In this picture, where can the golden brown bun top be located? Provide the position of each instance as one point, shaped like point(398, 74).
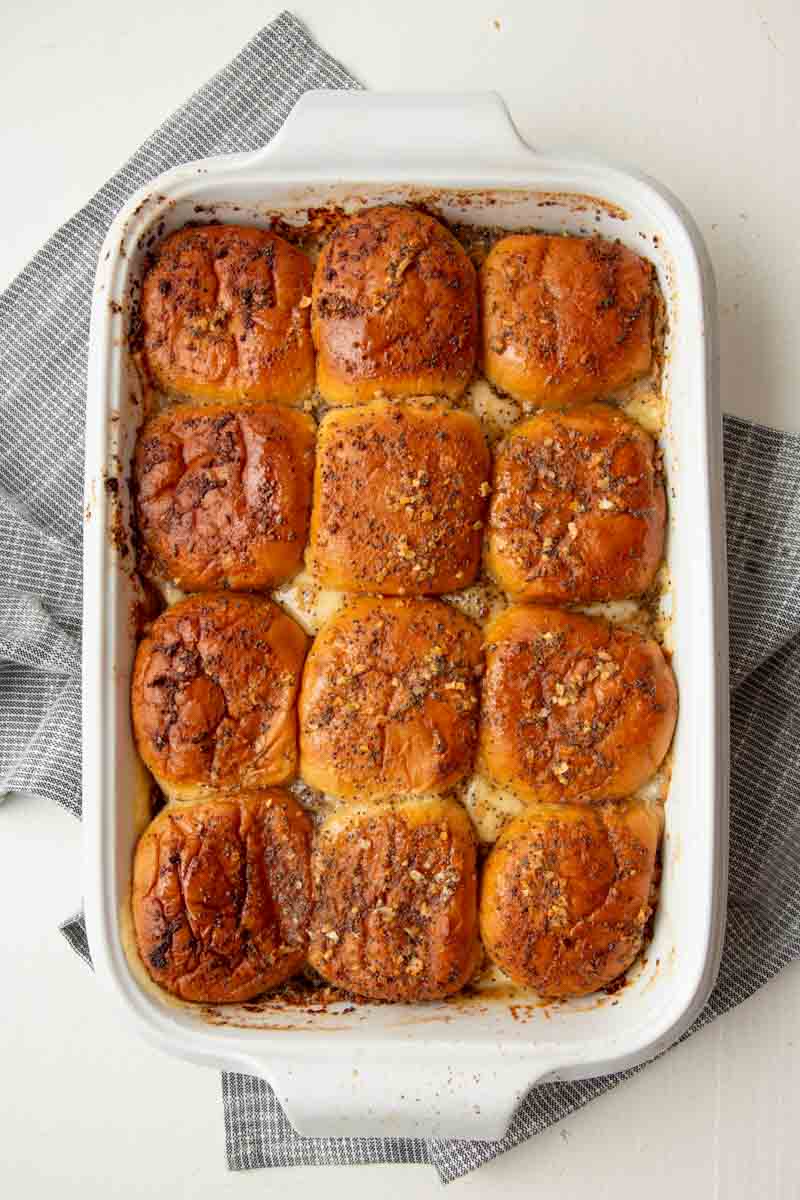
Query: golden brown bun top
point(223, 494)
point(394, 308)
point(225, 316)
point(578, 508)
point(213, 694)
point(573, 707)
point(389, 699)
point(222, 896)
point(399, 498)
point(567, 892)
point(395, 900)
point(565, 319)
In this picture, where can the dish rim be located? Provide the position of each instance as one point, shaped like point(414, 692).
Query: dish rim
point(481, 151)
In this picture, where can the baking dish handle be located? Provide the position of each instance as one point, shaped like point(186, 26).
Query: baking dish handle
point(359, 1096)
point(340, 132)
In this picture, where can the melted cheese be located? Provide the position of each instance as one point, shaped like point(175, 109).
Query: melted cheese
point(489, 806)
point(496, 413)
point(480, 601)
point(309, 604)
point(643, 403)
point(171, 593)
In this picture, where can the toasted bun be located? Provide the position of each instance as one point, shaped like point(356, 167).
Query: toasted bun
point(578, 508)
point(395, 914)
point(213, 695)
point(223, 494)
point(388, 704)
point(573, 708)
point(565, 319)
point(394, 309)
point(399, 498)
point(225, 316)
point(567, 892)
point(222, 896)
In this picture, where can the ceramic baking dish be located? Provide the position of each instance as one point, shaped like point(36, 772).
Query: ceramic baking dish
point(456, 1068)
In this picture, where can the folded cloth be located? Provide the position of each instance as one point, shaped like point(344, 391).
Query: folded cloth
point(44, 319)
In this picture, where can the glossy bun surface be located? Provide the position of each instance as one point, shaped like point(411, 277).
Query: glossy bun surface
point(222, 896)
point(389, 702)
point(578, 508)
point(399, 499)
point(223, 494)
point(394, 309)
point(213, 695)
point(565, 319)
point(567, 892)
point(225, 316)
point(395, 912)
point(573, 708)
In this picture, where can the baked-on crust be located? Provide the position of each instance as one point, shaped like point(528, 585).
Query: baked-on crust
point(395, 915)
point(565, 319)
point(388, 704)
point(221, 896)
point(213, 695)
point(567, 892)
point(394, 309)
point(399, 498)
point(573, 708)
point(225, 316)
point(223, 494)
point(578, 508)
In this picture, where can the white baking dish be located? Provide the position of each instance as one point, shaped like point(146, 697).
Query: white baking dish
point(455, 1069)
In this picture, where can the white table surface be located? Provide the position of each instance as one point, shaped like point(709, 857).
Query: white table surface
point(705, 96)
